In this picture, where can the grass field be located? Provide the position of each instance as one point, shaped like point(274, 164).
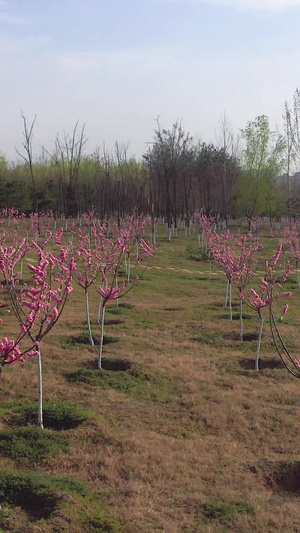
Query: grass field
point(177, 433)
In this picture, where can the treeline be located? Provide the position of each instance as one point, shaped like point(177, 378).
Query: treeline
point(175, 176)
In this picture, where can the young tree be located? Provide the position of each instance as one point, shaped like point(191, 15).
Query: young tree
point(269, 290)
point(39, 303)
point(262, 160)
point(229, 152)
point(28, 157)
point(111, 255)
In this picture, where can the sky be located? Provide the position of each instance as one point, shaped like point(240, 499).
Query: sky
point(115, 66)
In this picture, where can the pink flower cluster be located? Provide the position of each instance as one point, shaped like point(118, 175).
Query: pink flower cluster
point(270, 287)
point(10, 352)
point(235, 256)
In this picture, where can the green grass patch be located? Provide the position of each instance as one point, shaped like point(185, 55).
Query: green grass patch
point(84, 339)
point(99, 523)
point(223, 511)
point(126, 305)
point(157, 388)
point(196, 254)
point(116, 310)
point(32, 444)
point(119, 309)
point(56, 415)
point(212, 338)
point(148, 324)
point(36, 494)
point(235, 316)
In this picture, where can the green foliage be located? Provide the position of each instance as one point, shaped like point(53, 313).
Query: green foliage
point(262, 162)
point(57, 415)
point(33, 444)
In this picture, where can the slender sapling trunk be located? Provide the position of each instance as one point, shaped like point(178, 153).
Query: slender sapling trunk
point(241, 320)
point(88, 317)
point(259, 341)
point(227, 293)
point(40, 390)
point(101, 338)
point(230, 301)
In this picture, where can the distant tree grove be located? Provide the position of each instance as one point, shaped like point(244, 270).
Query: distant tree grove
point(175, 176)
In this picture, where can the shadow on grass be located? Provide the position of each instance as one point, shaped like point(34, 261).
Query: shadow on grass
point(36, 494)
point(113, 322)
point(57, 415)
point(280, 476)
point(235, 316)
point(173, 308)
point(235, 336)
point(114, 365)
point(84, 339)
point(248, 363)
point(269, 367)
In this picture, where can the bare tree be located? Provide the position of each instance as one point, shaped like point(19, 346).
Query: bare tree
point(166, 161)
point(291, 120)
point(67, 156)
point(28, 157)
point(229, 149)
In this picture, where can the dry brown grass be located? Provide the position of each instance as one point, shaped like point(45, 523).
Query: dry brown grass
point(220, 431)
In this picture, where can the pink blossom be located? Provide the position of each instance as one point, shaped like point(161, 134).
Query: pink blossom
point(277, 255)
point(285, 310)
point(297, 363)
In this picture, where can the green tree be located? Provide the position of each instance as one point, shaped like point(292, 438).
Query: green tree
point(262, 161)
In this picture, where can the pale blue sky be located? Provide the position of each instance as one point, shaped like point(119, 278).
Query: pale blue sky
point(116, 65)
